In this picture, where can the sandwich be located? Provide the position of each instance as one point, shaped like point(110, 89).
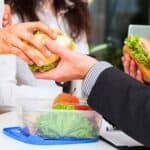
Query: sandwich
point(138, 49)
point(50, 62)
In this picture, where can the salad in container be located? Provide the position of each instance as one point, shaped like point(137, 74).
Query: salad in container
point(64, 118)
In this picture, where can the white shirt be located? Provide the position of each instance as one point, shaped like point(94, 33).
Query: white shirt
point(17, 82)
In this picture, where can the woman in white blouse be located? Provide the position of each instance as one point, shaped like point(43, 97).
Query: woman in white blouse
point(70, 16)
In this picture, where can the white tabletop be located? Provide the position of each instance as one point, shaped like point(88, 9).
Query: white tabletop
point(6, 143)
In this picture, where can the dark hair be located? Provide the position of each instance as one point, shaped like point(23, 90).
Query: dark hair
point(76, 15)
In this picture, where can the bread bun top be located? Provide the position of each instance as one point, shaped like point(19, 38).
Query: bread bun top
point(62, 39)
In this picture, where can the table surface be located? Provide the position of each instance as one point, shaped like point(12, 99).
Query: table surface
point(10, 119)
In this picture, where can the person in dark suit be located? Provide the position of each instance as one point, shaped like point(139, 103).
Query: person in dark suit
point(122, 100)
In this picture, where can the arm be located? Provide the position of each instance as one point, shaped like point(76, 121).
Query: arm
point(122, 101)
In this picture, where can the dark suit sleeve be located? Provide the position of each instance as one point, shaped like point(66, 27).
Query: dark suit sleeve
point(123, 101)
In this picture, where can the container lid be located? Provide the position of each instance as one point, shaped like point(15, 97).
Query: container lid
point(18, 133)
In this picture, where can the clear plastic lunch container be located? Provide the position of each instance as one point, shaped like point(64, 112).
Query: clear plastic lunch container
point(40, 119)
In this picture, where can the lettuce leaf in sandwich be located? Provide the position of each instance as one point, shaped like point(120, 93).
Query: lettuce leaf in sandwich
point(138, 50)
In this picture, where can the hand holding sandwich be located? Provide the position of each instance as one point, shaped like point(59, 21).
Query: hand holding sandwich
point(139, 50)
point(19, 40)
point(71, 65)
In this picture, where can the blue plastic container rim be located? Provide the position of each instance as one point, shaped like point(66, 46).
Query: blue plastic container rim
point(17, 133)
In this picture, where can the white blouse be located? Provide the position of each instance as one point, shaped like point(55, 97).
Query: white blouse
point(17, 82)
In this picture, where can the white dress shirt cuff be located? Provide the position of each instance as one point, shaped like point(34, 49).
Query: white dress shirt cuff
point(92, 76)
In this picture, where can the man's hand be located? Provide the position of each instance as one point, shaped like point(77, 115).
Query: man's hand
point(71, 66)
point(19, 40)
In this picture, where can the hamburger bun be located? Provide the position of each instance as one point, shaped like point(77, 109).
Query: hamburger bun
point(50, 62)
point(141, 66)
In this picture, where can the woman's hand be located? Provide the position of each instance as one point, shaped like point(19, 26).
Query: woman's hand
point(7, 19)
point(130, 68)
point(71, 65)
point(14, 39)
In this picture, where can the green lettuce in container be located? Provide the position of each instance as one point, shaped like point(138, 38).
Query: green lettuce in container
point(64, 124)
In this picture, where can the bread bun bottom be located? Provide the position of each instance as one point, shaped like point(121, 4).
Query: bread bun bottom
point(145, 72)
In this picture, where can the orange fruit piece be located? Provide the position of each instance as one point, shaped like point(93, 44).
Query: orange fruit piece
point(65, 98)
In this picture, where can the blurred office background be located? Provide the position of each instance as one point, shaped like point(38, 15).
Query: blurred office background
point(110, 20)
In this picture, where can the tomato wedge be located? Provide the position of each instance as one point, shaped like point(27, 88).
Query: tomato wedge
point(82, 107)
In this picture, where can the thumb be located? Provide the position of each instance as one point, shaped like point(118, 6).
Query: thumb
point(57, 48)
